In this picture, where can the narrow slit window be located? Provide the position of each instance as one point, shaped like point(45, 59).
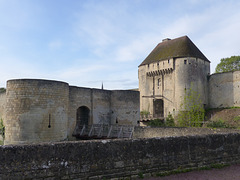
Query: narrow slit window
point(49, 119)
point(185, 61)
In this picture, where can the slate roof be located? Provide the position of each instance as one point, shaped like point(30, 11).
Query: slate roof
point(175, 48)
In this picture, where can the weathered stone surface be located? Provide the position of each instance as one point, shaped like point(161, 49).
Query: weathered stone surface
point(43, 110)
point(116, 158)
point(224, 89)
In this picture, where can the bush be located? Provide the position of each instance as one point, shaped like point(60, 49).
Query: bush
point(217, 124)
point(160, 122)
point(192, 113)
point(2, 128)
point(144, 113)
point(170, 121)
point(156, 123)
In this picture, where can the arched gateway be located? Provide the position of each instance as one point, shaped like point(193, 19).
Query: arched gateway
point(83, 116)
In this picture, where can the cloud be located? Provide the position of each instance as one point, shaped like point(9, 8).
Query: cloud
point(54, 45)
point(135, 49)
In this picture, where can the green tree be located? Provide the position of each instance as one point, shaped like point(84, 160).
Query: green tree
point(228, 64)
point(192, 112)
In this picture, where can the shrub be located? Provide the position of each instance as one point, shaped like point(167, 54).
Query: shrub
point(2, 128)
point(192, 113)
point(169, 121)
point(144, 113)
point(217, 124)
point(156, 123)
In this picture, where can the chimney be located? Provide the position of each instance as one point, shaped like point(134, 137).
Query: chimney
point(167, 39)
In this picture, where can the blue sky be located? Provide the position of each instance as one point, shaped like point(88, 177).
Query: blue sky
point(87, 42)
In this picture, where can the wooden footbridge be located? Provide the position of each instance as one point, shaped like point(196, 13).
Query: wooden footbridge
point(100, 131)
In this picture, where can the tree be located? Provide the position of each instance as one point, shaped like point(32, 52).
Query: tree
point(192, 112)
point(228, 64)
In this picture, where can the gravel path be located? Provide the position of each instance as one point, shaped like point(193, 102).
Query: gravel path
point(226, 173)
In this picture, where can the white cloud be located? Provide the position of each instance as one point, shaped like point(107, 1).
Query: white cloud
point(54, 45)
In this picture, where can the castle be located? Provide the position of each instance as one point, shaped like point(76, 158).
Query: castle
point(43, 110)
point(173, 67)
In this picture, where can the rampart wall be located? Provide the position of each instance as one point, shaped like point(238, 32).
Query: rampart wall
point(224, 89)
point(44, 110)
point(125, 107)
point(105, 159)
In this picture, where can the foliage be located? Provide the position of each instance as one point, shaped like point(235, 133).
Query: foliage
point(144, 113)
point(169, 121)
point(217, 124)
point(2, 90)
point(228, 64)
point(2, 128)
point(236, 118)
point(192, 113)
point(156, 123)
point(140, 175)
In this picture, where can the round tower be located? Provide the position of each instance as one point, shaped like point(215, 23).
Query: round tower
point(36, 111)
point(191, 72)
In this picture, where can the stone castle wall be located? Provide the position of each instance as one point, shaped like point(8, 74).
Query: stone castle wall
point(224, 89)
point(105, 159)
point(125, 107)
point(36, 111)
point(43, 110)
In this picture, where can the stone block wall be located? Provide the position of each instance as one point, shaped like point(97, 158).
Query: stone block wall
point(151, 132)
point(101, 159)
point(224, 89)
point(78, 97)
point(101, 108)
point(125, 107)
point(43, 110)
point(36, 111)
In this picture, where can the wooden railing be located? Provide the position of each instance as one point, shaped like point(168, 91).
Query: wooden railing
point(100, 131)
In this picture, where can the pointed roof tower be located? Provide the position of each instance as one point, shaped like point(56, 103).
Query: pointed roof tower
point(175, 48)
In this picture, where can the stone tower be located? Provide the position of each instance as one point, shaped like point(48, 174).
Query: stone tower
point(169, 70)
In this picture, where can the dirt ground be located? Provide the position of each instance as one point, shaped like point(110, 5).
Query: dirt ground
point(226, 173)
point(230, 116)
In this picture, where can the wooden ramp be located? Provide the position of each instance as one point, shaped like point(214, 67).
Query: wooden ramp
point(100, 131)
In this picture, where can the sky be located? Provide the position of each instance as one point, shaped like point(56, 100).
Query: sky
point(89, 42)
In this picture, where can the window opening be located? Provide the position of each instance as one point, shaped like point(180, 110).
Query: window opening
point(49, 121)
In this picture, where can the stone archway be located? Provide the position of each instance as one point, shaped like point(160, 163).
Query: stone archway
point(82, 116)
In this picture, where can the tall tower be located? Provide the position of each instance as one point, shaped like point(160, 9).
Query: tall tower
point(169, 70)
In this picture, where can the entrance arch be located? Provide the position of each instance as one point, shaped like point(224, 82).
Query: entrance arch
point(82, 116)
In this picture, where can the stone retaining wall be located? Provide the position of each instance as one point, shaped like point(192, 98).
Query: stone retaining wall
point(150, 132)
point(106, 159)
